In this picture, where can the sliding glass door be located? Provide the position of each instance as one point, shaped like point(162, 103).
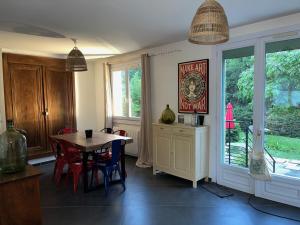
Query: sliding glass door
point(282, 107)
point(260, 109)
point(238, 74)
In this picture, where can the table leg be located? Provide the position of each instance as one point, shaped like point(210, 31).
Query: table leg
point(85, 156)
point(123, 170)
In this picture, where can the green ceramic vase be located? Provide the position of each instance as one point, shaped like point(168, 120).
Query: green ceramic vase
point(167, 116)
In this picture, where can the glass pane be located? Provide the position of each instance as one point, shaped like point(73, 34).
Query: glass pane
point(238, 72)
point(135, 76)
point(282, 107)
point(119, 93)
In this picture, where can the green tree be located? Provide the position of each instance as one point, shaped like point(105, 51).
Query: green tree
point(135, 76)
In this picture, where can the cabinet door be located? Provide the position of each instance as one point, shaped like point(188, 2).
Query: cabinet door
point(183, 154)
point(24, 102)
point(162, 147)
point(59, 99)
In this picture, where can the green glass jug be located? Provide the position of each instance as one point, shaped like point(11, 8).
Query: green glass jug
point(13, 150)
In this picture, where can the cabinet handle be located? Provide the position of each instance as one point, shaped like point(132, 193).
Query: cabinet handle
point(161, 128)
point(180, 130)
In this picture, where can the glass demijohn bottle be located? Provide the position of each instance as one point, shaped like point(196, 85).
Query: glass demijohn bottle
point(13, 150)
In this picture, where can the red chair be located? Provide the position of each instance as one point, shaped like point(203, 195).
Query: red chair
point(73, 158)
point(67, 130)
point(60, 162)
point(121, 133)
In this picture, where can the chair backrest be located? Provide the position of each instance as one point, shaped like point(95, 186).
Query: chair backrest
point(71, 153)
point(107, 130)
point(121, 133)
point(67, 130)
point(115, 151)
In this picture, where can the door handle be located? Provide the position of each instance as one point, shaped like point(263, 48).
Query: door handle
point(45, 113)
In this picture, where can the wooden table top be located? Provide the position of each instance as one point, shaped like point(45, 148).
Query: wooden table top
point(30, 171)
point(90, 144)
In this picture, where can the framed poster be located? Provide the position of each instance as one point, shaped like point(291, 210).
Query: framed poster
point(193, 86)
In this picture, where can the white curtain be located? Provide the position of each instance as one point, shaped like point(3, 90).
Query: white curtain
point(258, 168)
point(108, 95)
point(145, 147)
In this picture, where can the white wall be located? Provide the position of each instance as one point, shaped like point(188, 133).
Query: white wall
point(89, 100)
point(164, 85)
point(164, 74)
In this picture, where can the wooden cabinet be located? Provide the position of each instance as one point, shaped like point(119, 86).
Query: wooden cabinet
point(181, 151)
point(39, 97)
point(20, 198)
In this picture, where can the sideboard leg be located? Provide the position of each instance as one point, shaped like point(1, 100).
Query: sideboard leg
point(194, 184)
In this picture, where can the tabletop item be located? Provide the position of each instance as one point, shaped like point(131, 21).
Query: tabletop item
point(13, 150)
point(194, 122)
point(167, 116)
point(88, 133)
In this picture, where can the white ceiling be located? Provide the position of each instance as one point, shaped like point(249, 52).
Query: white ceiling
point(117, 26)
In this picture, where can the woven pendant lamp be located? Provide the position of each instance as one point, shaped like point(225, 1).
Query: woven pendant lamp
point(75, 60)
point(210, 25)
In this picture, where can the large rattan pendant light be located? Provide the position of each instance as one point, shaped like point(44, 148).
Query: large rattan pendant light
point(210, 25)
point(75, 60)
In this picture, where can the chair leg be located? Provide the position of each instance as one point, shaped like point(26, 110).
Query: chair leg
point(76, 176)
point(96, 176)
point(106, 180)
point(69, 171)
point(54, 170)
point(58, 173)
point(92, 177)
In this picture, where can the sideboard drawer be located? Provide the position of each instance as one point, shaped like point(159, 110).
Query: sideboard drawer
point(183, 131)
point(163, 130)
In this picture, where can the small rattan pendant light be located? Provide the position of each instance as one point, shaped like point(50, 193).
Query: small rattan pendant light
point(210, 25)
point(75, 60)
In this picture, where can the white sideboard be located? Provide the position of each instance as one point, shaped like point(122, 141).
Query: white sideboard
point(181, 150)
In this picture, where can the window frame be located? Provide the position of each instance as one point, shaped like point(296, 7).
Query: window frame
point(125, 67)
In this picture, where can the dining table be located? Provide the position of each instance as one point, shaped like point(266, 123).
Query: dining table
point(89, 145)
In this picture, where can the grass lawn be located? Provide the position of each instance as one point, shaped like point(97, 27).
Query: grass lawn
point(283, 147)
point(278, 146)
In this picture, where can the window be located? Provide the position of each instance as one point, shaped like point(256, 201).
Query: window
point(126, 90)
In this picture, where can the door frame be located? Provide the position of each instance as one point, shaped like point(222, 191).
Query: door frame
point(281, 188)
point(228, 175)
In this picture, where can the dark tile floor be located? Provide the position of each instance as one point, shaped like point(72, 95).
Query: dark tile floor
point(148, 199)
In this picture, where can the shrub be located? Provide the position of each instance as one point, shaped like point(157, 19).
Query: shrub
point(234, 134)
point(284, 121)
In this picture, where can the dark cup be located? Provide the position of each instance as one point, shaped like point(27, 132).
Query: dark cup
point(200, 120)
point(88, 133)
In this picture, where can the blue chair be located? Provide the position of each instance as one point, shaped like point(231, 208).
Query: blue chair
point(111, 165)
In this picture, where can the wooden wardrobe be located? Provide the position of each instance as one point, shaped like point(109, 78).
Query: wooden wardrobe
point(39, 97)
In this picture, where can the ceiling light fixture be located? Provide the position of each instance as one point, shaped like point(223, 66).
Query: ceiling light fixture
point(210, 25)
point(75, 60)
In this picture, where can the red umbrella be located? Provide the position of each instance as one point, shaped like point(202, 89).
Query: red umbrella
point(229, 116)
